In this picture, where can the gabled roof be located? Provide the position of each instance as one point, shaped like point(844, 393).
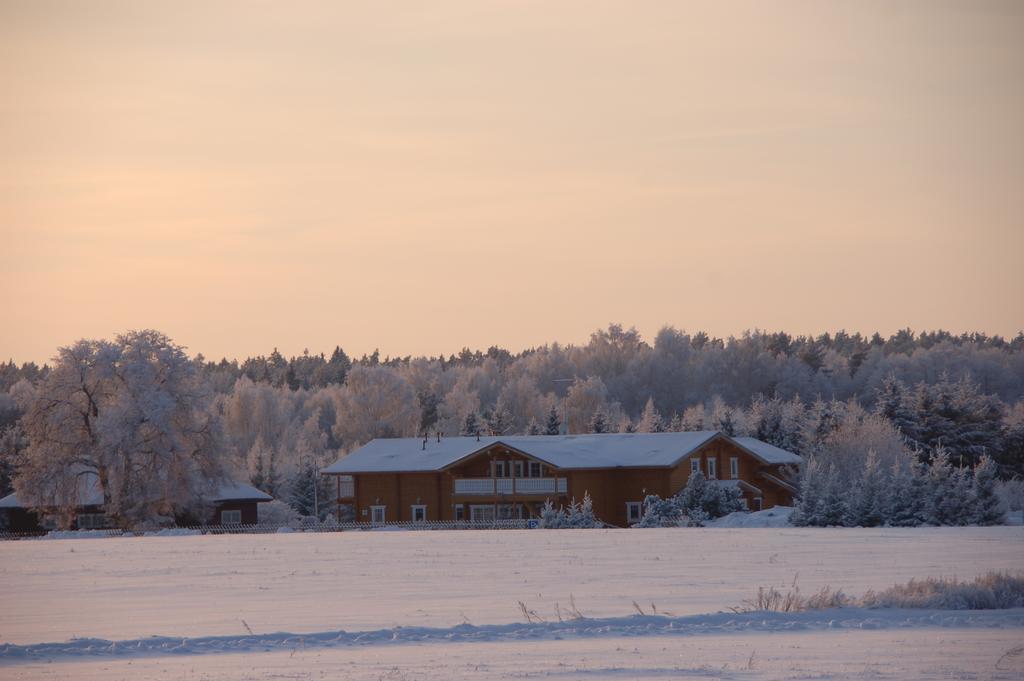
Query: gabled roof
point(611, 450)
point(236, 491)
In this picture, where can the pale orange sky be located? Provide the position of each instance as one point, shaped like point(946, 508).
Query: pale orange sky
point(420, 177)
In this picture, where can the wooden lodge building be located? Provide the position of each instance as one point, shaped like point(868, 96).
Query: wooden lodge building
point(492, 478)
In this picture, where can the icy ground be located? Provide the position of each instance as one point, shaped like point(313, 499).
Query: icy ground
point(439, 605)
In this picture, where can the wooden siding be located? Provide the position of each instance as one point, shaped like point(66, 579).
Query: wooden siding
point(610, 489)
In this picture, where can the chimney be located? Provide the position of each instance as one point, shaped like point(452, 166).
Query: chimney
point(439, 436)
point(478, 436)
point(424, 442)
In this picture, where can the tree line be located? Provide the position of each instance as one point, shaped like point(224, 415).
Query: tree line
point(133, 405)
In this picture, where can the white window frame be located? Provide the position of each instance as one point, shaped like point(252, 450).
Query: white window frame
point(482, 510)
point(734, 467)
point(378, 508)
point(758, 504)
point(499, 469)
point(695, 465)
point(418, 507)
point(536, 469)
point(231, 517)
point(517, 469)
point(712, 467)
point(634, 511)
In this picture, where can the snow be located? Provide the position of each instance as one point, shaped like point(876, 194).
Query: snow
point(360, 605)
point(609, 450)
point(768, 453)
point(236, 491)
point(777, 516)
point(90, 493)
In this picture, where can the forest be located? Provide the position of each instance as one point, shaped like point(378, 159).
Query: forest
point(834, 398)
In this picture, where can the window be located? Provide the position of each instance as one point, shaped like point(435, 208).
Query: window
point(517, 469)
point(694, 465)
point(734, 467)
point(91, 521)
point(634, 511)
point(460, 512)
point(712, 473)
point(499, 469)
point(419, 513)
point(481, 514)
point(231, 517)
point(757, 503)
point(508, 511)
point(378, 514)
point(536, 470)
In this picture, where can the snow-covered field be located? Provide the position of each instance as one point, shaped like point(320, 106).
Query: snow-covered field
point(439, 605)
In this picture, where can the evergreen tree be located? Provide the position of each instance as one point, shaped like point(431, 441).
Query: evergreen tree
point(498, 422)
point(942, 489)
point(429, 403)
point(832, 509)
point(988, 510)
point(893, 402)
point(305, 494)
point(534, 428)
point(808, 501)
point(471, 426)
point(599, 423)
point(660, 512)
point(553, 426)
point(905, 494)
point(650, 420)
point(865, 508)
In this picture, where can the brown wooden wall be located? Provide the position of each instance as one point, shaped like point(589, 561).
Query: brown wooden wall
point(609, 489)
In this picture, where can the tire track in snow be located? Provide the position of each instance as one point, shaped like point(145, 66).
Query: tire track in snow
point(634, 625)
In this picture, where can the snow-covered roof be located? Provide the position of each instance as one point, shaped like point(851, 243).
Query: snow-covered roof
point(90, 494)
point(612, 450)
point(236, 491)
point(766, 452)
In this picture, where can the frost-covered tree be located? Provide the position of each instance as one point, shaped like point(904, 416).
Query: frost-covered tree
point(650, 419)
point(471, 425)
point(832, 510)
point(866, 504)
point(988, 509)
point(949, 492)
point(906, 493)
point(807, 505)
point(134, 414)
point(553, 425)
point(375, 402)
point(598, 422)
point(660, 512)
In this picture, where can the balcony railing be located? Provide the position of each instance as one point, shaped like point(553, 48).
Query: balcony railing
point(509, 486)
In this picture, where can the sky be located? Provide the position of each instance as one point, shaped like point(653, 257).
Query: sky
point(420, 177)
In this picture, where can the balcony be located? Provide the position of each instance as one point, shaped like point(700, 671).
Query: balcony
point(490, 487)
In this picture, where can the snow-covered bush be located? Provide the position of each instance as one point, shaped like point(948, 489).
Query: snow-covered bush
point(995, 590)
point(277, 513)
point(576, 516)
point(699, 501)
